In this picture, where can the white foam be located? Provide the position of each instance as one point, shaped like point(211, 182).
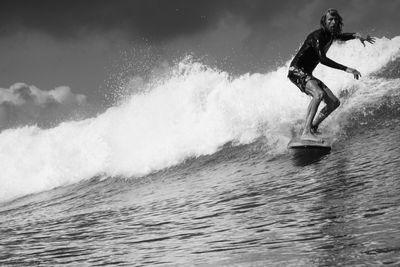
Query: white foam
point(191, 113)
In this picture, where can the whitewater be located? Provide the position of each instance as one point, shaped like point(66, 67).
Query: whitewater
point(192, 112)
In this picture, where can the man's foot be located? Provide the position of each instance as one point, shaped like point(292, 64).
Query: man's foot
point(311, 137)
point(314, 130)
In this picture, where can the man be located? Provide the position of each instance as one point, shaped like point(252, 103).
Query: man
point(312, 52)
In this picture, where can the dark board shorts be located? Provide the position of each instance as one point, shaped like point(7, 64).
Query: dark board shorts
point(300, 78)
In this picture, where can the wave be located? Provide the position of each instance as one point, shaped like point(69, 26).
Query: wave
point(193, 111)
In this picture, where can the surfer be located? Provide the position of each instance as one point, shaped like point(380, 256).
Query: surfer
point(312, 52)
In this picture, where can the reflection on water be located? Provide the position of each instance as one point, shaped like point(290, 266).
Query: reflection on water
point(337, 209)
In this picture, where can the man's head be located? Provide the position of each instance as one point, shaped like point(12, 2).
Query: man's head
point(332, 21)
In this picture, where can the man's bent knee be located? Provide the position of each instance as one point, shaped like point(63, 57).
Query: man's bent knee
point(334, 104)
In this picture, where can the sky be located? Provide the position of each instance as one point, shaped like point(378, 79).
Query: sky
point(88, 44)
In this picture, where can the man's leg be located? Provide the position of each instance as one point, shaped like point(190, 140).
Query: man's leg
point(331, 101)
point(312, 89)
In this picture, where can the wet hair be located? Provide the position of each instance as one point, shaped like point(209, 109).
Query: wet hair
point(335, 13)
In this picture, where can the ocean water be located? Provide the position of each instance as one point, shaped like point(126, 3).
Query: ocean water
point(194, 170)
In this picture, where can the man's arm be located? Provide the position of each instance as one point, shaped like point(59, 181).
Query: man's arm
point(324, 59)
point(330, 63)
point(346, 36)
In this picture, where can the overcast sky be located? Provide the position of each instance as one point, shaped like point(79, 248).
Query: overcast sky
point(81, 44)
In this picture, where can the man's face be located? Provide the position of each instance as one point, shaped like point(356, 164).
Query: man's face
point(331, 22)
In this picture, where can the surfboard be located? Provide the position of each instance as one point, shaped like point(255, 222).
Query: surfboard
point(307, 152)
point(297, 143)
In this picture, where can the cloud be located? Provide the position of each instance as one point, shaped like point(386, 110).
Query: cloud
point(23, 104)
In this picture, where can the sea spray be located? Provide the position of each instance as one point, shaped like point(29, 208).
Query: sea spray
point(193, 112)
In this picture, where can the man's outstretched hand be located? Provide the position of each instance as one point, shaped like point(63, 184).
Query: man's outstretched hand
point(355, 72)
point(369, 39)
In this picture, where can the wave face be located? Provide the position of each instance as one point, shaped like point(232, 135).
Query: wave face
point(191, 112)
